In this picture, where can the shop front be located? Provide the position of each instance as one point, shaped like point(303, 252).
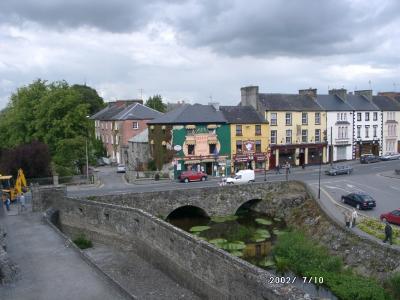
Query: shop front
point(287, 155)
point(211, 165)
point(367, 147)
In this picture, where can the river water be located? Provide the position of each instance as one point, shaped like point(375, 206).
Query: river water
point(249, 235)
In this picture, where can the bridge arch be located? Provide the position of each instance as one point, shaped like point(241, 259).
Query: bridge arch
point(187, 211)
point(246, 205)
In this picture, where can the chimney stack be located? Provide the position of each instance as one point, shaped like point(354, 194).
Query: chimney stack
point(309, 92)
point(215, 105)
point(365, 93)
point(341, 93)
point(249, 96)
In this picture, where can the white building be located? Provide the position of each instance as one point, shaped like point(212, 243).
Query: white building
point(367, 120)
point(390, 109)
point(339, 124)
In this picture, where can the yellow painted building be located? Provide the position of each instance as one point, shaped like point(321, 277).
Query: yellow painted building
point(297, 125)
point(249, 138)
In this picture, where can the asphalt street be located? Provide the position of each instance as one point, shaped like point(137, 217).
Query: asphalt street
point(365, 178)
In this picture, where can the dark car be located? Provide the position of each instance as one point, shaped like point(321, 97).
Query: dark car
point(369, 158)
point(337, 170)
point(392, 217)
point(359, 200)
point(187, 176)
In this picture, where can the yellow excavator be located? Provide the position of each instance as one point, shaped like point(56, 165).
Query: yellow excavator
point(13, 191)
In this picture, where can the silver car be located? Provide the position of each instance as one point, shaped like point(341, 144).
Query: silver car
point(338, 170)
point(390, 156)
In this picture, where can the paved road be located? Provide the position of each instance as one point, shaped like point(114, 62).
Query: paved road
point(365, 178)
point(48, 268)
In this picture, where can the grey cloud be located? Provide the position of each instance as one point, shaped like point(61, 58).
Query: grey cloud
point(287, 28)
point(113, 16)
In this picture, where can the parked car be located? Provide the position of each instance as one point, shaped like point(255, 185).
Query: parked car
point(337, 170)
point(121, 169)
point(242, 176)
point(369, 158)
point(392, 217)
point(390, 156)
point(359, 200)
point(187, 176)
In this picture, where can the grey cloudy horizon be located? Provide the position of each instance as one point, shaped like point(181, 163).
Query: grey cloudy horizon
point(197, 50)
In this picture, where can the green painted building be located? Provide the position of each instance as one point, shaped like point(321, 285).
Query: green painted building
point(192, 137)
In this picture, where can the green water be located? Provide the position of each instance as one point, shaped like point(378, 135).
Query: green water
point(249, 235)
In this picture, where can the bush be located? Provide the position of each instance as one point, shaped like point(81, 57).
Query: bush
point(82, 242)
point(151, 165)
point(393, 285)
point(294, 251)
point(157, 177)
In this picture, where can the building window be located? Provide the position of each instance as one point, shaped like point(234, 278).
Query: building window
point(288, 136)
point(338, 117)
point(358, 116)
point(238, 130)
point(359, 131)
point(258, 146)
point(273, 136)
point(211, 130)
point(375, 131)
point(191, 149)
point(393, 116)
point(212, 148)
point(376, 116)
point(258, 129)
point(317, 118)
point(317, 135)
point(189, 131)
point(274, 119)
point(366, 131)
point(304, 136)
point(367, 116)
point(304, 118)
point(288, 118)
point(135, 125)
point(239, 146)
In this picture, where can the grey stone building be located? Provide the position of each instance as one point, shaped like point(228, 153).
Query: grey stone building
point(138, 154)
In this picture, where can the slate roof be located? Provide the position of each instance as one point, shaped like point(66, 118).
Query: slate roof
point(107, 114)
point(242, 114)
point(360, 103)
point(137, 111)
point(288, 102)
point(333, 103)
point(386, 103)
point(191, 114)
point(142, 137)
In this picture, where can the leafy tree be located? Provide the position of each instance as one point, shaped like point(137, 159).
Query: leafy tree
point(55, 114)
point(156, 103)
point(91, 97)
point(34, 158)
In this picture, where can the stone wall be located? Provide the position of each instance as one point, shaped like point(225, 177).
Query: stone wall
point(213, 200)
point(201, 267)
point(8, 270)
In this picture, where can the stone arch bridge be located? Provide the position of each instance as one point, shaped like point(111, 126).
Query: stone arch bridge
point(214, 201)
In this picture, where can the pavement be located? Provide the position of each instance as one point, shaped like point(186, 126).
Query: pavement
point(48, 268)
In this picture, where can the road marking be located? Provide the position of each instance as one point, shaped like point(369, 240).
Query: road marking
point(339, 204)
point(395, 188)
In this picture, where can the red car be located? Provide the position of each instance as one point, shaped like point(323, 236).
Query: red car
point(392, 217)
point(187, 176)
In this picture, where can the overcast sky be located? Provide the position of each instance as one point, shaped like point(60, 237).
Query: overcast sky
point(194, 50)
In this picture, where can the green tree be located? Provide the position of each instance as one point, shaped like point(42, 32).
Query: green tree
point(91, 97)
point(57, 115)
point(156, 103)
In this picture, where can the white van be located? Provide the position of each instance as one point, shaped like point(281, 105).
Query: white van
point(242, 176)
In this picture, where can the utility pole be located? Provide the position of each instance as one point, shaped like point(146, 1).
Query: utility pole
point(141, 93)
point(331, 150)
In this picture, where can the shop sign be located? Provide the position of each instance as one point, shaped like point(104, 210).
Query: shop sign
point(249, 146)
point(177, 147)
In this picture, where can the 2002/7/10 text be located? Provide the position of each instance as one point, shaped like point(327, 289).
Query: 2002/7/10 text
point(288, 279)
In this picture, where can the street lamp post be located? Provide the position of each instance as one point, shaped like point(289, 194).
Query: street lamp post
point(87, 161)
point(319, 174)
